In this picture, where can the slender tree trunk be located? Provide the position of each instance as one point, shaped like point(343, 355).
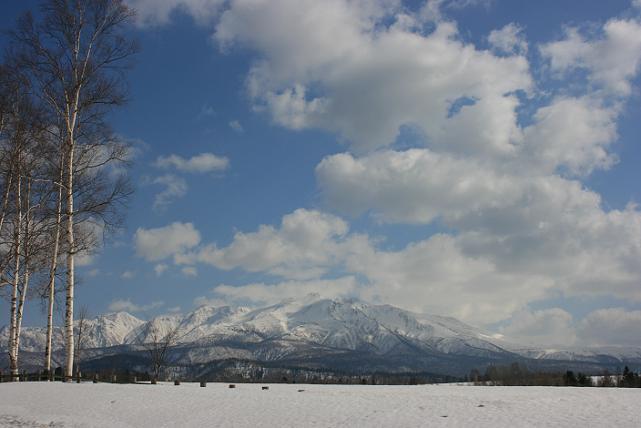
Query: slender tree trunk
point(69, 345)
point(5, 200)
point(23, 295)
point(13, 351)
point(26, 237)
point(52, 274)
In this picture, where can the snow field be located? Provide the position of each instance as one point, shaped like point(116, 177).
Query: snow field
point(188, 405)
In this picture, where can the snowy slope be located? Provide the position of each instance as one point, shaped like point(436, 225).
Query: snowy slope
point(342, 330)
point(100, 332)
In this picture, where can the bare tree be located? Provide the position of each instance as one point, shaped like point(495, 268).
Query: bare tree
point(158, 342)
point(81, 335)
point(76, 56)
point(23, 199)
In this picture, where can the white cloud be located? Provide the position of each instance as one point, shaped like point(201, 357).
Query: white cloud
point(164, 242)
point(433, 10)
point(612, 59)
point(436, 276)
point(507, 255)
point(206, 111)
point(265, 294)
point(636, 3)
point(127, 305)
point(93, 273)
point(189, 271)
point(581, 148)
point(545, 327)
point(84, 259)
point(206, 301)
point(521, 226)
point(508, 39)
point(414, 186)
point(304, 246)
point(175, 187)
point(158, 12)
point(90, 240)
point(378, 78)
point(602, 327)
point(204, 162)
point(236, 126)
point(128, 274)
point(160, 268)
point(612, 326)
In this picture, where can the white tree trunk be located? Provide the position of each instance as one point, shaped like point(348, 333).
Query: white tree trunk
point(26, 239)
point(23, 295)
point(52, 276)
point(13, 350)
point(69, 345)
point(5, 201)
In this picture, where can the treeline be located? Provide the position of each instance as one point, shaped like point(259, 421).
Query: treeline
point(62, 180)
point(250, 371)
point(244, 374)
point(517, 374)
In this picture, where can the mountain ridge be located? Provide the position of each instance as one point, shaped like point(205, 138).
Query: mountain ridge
point(318, 331)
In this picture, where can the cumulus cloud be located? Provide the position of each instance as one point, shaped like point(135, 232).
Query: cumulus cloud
point(508, 254)
point(508, 39)
point(204, 162)
point(128, 274)
point(580, 148)
point(265, 294)
point(612, 59)
point(545, 327)
point(436, 276)
point(175, 187)
point(159, 12)
point(377, 79)
point(189, 271)
point(160, 268)
point(164, 242)
point(611, 326)
point(127, 305)
point(498, 164)
point(555, 326)
point(236, 126)
point(209, 301)
point(93, 273)
point(305, 245)
point(414, 186)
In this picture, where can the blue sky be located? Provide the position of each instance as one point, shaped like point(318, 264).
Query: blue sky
point(284, 147)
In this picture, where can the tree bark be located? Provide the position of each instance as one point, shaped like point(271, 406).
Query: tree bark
point(5, 200)
point(69, 345)
point(25, 279)
point(52, 274)
point(13, 351)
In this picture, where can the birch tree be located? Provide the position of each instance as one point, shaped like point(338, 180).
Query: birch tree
point(76, 55)
point(25, 195)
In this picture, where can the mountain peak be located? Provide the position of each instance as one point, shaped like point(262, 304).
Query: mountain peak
point(310, 325)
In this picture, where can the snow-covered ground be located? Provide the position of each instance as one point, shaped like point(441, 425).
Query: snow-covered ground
point(284, 405)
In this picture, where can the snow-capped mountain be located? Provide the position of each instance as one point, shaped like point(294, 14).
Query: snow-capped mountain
point(317, 332)
point(101, 332)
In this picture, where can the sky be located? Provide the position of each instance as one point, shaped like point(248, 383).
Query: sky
point(471, 158)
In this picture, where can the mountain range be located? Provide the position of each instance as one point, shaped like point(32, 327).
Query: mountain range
point(321, 334)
